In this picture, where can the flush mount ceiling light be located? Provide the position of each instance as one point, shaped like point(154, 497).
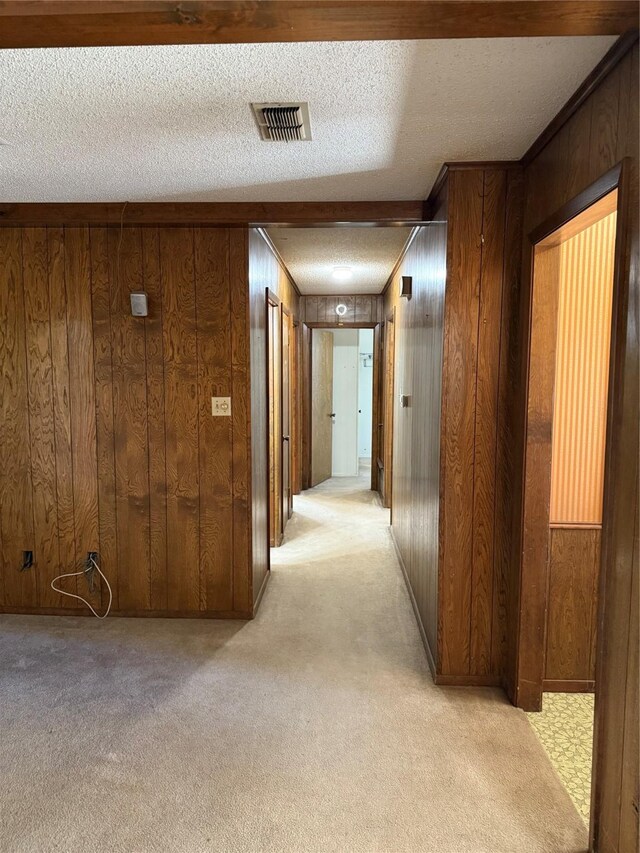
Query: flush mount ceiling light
point(342, 274)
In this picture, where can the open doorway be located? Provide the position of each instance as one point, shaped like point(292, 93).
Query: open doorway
point(573, 296)
point(341, 403)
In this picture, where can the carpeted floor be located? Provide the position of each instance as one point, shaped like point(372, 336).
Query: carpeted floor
point(565, 729)
point(316, 727)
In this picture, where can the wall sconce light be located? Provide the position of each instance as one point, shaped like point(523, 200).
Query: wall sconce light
point(405, 286)
point(341, 310)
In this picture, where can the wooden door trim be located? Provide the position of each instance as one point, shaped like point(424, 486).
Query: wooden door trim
point(305, 396)
point(284, 312)
point(621, 280)
point(531, 642)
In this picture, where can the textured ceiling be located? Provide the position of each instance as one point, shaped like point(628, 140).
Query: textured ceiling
point(311, 254)
point(174, 123)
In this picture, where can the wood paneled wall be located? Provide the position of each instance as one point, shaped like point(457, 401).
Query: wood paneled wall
point(264, 272)
point(461, 323)
point(107, 442)
point(416, 427)
point(322, 309)
point(602, 132)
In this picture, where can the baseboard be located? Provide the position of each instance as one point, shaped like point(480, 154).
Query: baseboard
point(557, 685)
point(260, 594)
point(468, 680)
point(423, 633)
point(130, 614)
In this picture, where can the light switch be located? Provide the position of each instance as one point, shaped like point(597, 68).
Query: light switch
point(221, 406)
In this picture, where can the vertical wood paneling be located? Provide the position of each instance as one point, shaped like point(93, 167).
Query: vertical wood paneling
point(16, 510)
point(41, 414)
point(155, 360)
point(130, 422)
point(60, 343)
point(574, 563)
point(182, 418)
point(82, 399)
point(243, 475)
point(94, 394)
point(458, 419)
point(418, 334)
point(486, 421)
point(105, 434)
point(213, 310)
point(581, 374)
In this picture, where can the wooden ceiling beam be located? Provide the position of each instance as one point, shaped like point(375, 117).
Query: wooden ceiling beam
point(308, 213)
point(99, 23)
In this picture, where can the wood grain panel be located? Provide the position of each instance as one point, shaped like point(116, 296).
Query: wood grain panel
point(418, 375)
point(16, 509)
point(60, 339)
point(155, 360)
point(574, 563)
point(82, 400)
point(486, 421)
point(130, 422)
point(213, 309)
point(458, 417)
point(242, 472)
point(182, 419)
point(41, 414)
point(105, 432)
point(54, 24)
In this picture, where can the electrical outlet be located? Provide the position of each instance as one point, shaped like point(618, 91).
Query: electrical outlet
point(221, 407)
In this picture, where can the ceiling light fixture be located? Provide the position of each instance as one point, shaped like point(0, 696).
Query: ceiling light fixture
point(342, 274)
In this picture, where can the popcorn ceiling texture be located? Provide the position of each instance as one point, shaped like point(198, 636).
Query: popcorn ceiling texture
point(174, 123)
point(311, 254)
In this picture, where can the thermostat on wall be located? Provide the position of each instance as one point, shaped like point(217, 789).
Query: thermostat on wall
point(139, 306)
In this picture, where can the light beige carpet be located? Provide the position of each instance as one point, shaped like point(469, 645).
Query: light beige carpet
point(314, 728)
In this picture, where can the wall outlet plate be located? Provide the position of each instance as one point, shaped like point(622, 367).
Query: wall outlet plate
point(221, 407)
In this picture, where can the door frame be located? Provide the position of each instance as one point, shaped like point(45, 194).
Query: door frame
point(285, 313)
point(387, 410)
point(533, 573)
point(306, 391)
point(274, 484)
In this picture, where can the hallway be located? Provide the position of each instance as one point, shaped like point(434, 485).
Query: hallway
point(316, 727)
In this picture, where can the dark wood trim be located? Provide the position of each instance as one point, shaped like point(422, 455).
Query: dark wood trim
point(602, 70)
point(230, 214)
point(82, 23)
point(577, 205)
point(414, 604)
point(467, 680)
point(272, 298)
point(401, 257)
point(305, 404)
point(609, 572)
point(461, 166)
point(137, 614)
point(261, 592)
point(267, 239)
point(550, 685)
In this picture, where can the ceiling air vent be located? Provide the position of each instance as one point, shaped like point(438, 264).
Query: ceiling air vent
point(283, 122)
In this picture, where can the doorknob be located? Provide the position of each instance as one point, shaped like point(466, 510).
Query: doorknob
point(332, 414)
point(285, 438)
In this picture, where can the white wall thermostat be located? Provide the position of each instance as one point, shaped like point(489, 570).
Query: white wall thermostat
point(139, 305)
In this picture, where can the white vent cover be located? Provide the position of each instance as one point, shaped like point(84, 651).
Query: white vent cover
point(283, 122)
